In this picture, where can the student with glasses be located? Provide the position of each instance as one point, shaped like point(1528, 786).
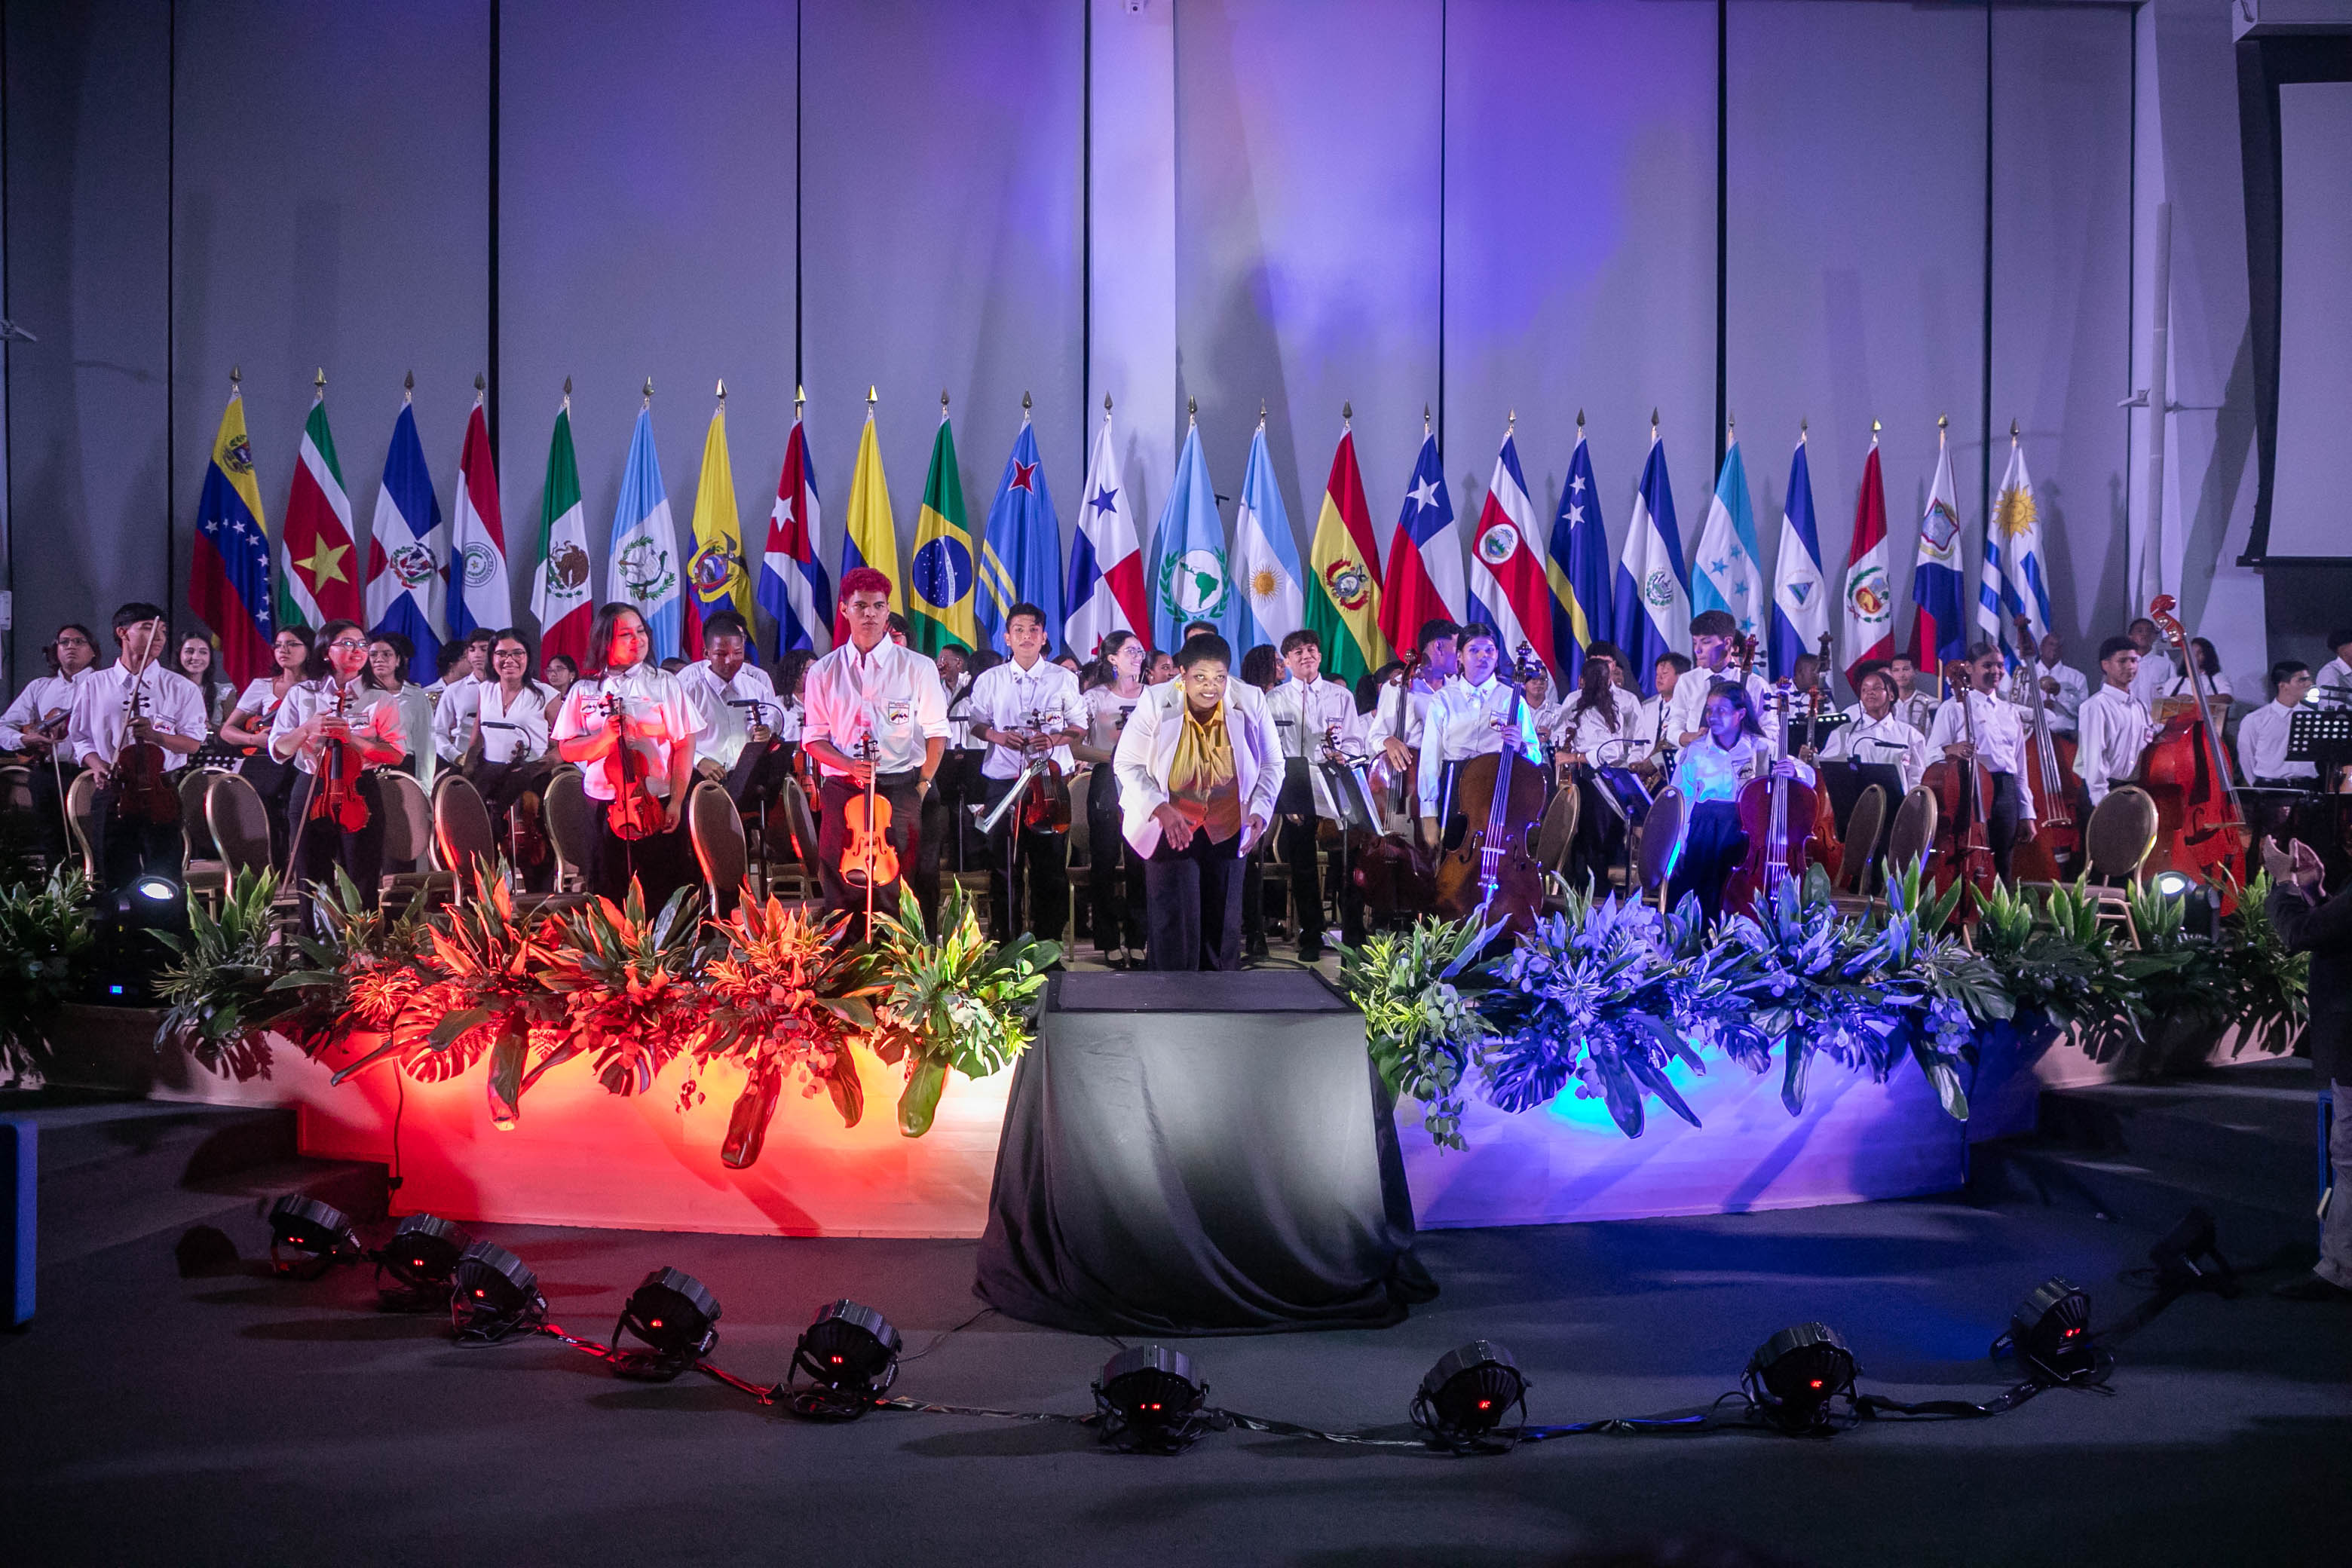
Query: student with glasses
point(35, 728)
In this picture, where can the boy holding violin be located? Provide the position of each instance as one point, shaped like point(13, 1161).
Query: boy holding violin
point(1026, 708)
point(639, 792)
point(335, 730)
point(134, 724)
point(1976, 725)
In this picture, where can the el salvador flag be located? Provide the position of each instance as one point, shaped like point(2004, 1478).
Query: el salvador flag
point(1020, 560)
point(1652, 609)
point(408, 553)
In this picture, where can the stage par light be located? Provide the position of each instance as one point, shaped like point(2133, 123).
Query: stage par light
point(494, 1294)
point(2051, 1333)
point(1151, 1399)
point(318, 1233)
point(125, 955)
point(420, 1260)
point(674, 1314)
point(2171, 884)
point(850, 1353)
point(1794, 1375)
point(1467, 1395)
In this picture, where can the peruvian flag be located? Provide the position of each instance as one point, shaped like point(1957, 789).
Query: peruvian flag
point(1509, 589)
point(319, 576)
point(1869, 588)
point(1104, 590)
point(478, 548)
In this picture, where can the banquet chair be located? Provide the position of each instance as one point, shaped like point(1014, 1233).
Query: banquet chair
point(1558, 832)
point(2116, 842)
point(408, 844)
point(81, 802)
point(464, 841)
point(721, 847)
point(1908, 839)
point(1661, 835)
point(1850, 890)
point(202, 871)
point(239, 825)
point(1078, 855)
point(571, 818)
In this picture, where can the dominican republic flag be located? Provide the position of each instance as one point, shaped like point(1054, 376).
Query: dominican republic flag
point(1652, 608)
point(2012, 584)
point(317, 567)
point(1723, 573)
point(1021, 555)
point(229, 587)
point(643, 569)
point(1265, 553)
point(1869, 588)
point(408, 551)
point(1509, 590)
point(1190, 580)
point(1104, 591)
point(478, 537)
point(1800, 600)
point(1424, 570)
point(793, 587)
point(1581, 614)
point(562, 600)
point(1941, 631)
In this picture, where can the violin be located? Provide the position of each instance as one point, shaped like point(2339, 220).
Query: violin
point(1777, 812)
point(1046, 804)
point(633, 813)
point(868, 860)
point(1486, 863)
point(335, 798)
point(142, 789)
point(2050, 775)
point(2201, 825)
point(1962, 849)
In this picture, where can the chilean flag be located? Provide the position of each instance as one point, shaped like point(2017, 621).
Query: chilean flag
point(1509, 589)
point(1424, 571)
point(1105, 590)
point(477, 559)
point(793, 587)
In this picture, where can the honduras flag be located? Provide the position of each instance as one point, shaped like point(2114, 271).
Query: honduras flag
point(1942, 631)
point(1192, 579)
point(1020, 560)
point(793, 587)
point(408, 553)
point(1652, 609)
point(1581, 614)
point(1725, 575)
point(1265, 555)
point(644, 569)
point(1800, 606)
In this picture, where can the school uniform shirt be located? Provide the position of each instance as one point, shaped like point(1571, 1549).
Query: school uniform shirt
point(2115, 730)
point(787, 721)
point(1147, 754)
point(1918, 709)
point(528, 739)
point(1461, 724)
point(2261, 745)
point(892, 693)
point(417, 719)
point(99, 723)
point(1652, 723)
point(1042, 697)
point(1705, 772)
point(1998, 729)
point(2059, 706)
point(1888, 741)
point(2333, 681)
point(1302, 715)
point(2156, 671)
point(1381, 723)
point(655, 707)
point(1687, 711)
point(727, 729)
point(372, 712)
point(1587, 732)
point(2216, 686)
point(959, 715)
point(50, 695)
point(453, 715)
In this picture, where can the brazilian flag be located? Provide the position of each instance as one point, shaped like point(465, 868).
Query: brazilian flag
point(942, 578)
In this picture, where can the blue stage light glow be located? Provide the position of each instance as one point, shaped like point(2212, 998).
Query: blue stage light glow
point(1590, 1112)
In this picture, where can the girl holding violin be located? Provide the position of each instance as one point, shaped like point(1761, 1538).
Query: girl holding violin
point(335, 730)
point(249, 722)
point(1976, 725)
point(631, 727)
point(134, 724)
point(1599, 727)
point(1729, 754)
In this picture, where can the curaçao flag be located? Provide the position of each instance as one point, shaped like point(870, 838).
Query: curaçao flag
point(1869, 588)
point(1723, 573)
point(1581, 612)
point(1103, 592)
point(1425, 569)
point(869, 535)
point(318, 564)
point(1020, 560)
point(2011, 583)
point(408, 551)
point(1508, 588)
point(1343, 573)
point(1190, 580)
point(562, 597)
point(229, 585)
point(477, 545)
point(715, 578)
point(1265, 553)
point(792, 584)
point(643, 569)
point(1800, 600)
point(1941, 626)
point(941, 581)
point(1653, 608)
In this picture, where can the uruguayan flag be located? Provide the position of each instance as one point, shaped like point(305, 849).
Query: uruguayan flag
point(408, 554)
point(2012, 584)
point(645, 564)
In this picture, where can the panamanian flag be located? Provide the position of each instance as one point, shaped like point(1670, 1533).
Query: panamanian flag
point(408, 551)
point(1103, 592)
point(793, 587)
point(1424, 571)
point(1653, 603)
point(1509, 589)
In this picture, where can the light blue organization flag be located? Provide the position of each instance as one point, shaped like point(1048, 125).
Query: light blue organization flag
point(645, 559)
point(1581, 614)
point(1723, 573)
point(1191, 578)
point(1801, 603)
point(1266, 556)
point(408, 576)
point(1653, 608)
point(1021, 556)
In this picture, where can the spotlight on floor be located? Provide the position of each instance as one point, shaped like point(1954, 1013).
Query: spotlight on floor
point(674, 1316)
point(2171, 884)
point(318, 1234)
point(1794, 1375)
point(850, 1355)
point(2050, 1333)
point(125, 956)
point(1467, 1395)
point(493, 1294)
point(1149, 1400)
point(2188, 1257)
point(420, 1260)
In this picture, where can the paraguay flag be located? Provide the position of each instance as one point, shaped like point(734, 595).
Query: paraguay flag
point(1581, 614)
point(1021, 559)
point(792, 584)
point(1801, 603)
point(1265, 553)
point(478, 541)
point(1104, 591)
point(1424, 570)
point(1190, 580)
point(643, 570)
point(941, 581)
point(408, 551)
point(1652, 609)
point(229, 586)
point(1941, 627)
point(1509, 589)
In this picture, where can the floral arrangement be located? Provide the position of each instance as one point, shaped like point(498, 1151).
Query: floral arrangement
point(1418, 990)
point(44, 953)
point(958, 1001)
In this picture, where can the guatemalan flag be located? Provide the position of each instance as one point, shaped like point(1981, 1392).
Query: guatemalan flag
point(1724, 575)
point(1265, 553)
point(644, 569)
point(2012, 584)
point(1509, 589)
point(478, 538)
point(1941, 626)
point(1021, 552)
point(1800, 606)
point(1424, 570)
point(792, 584)
point(1103, 592)
point(1652, 609)
point(1581, 614)
point(229, 587)
point(408, 551)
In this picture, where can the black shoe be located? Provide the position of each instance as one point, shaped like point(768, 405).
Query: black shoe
point(2311, 1287)
point(1310, 955)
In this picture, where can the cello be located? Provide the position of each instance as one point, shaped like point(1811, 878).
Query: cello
point(1776, 813)
point(2201, 826)
point(1486, 863)
point(335, 799)
point(1962, 849)
point(1828, 850)
point(2050, 775)
point(633, 813)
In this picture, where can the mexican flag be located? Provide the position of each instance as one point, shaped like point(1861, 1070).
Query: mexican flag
point(319, 580)
point(562, 599)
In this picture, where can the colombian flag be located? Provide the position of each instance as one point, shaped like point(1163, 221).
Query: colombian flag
point(868, 535)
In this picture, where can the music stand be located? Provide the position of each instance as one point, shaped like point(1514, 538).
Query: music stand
point(1820, 729)
point(1847, 777)
point(2321, 736)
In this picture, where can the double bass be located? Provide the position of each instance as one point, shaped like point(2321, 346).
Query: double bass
point(633, 813)
point(142, 788)
point(1486, 861)
point(335, 798)
point(1962, 849)
point(1776, 813)
point(2050, 775)
point(2201, 826)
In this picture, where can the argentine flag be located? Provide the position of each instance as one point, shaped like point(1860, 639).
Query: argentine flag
point(1723, 576)
point(644, 570)
point(1266, 556)
point(1190, 577)
point(1652, 609)
point(408, 553)
point(1800, 606)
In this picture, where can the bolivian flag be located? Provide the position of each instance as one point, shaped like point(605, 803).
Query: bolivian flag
point(942, 576)
point(1343, 577)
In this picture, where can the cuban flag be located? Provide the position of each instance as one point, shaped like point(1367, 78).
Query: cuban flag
point(2011, 584)
point(1104, 591)
point(1265, 553)
point(478, 539)
point(1723, 574)
point(793, 587)
point(1021, 556)
point(643, 564)
point(1424, 571)
point(1801, 604)
point(1652, 609)
point(408, 551)
point(1581, 614)
point(1191, 579)
point(1509, 589)
point(1941, 626)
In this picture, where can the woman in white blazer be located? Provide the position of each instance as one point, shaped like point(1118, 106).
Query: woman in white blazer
point(1198, 767)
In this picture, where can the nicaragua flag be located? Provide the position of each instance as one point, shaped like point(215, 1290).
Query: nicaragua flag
point(1581, 614)
point(644, 566)
point(1424, 570)
point(1265, 554)
point(1104, 590)
point(1723, 574)
point(408, 551)
point(478, 538)
point(1800, 606)
point(940, 583)
point(1509, 589)
point(229, 586)
point(792, 584)
point(1021, 559)
point(2011, 584)
point(1190, 580)
point(1652, 609)
point(1941, 626)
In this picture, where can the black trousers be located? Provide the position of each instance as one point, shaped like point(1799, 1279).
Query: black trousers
point(1115, 876)
point(1713, 848)
point(660, 863)
point(1294, 840)
point(126, 849)
point(1600, 835)
point(1040, 870)
point(902, 790)
point(2001, 823)
point(1192, 900)
point(320, 846)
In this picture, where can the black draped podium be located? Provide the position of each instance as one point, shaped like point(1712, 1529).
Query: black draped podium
point(1200, 1153)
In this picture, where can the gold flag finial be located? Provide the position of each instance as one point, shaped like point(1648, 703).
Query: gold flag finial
point(800, 400)
point(320, 381)
point(1943, 421)
point(723, 391)
point(869, 396)
point(1874, 428)
point(236, 376)
point(1192, 409)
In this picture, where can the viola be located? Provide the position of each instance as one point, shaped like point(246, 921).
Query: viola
point(1776, 813)
point(335, 798)
point(143, 790)
point(2050, 775)
point(868, 860)
point(1962, 849)
point(633, 813)
point(1487, 864)
point(1827, 851)
point(1046, 804)
point(2201, 826)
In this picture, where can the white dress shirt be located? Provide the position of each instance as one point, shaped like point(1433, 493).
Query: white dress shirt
point(1464, 721)
point(2216, 686)
point(2156, 671)
point(959, 715)
point(1889, 742)
point(1918, 709)
point(513, 732)
point(453, 715)
point(726, 727)
point(654, 706)
point(372, 712)
point(1303, 714)
point(1147, 751)
point(2116, 731)
point(1997, 726)
point(1586, 732)
point(100, 720)
point(2074, 691)
point(892, 693)
point(1705, 772)
point(50, 696)
point(1687, 712)
point(416, 712)
point(1042, 697)
point(1380, 724)
point(2261, 745)
point(2334, 682)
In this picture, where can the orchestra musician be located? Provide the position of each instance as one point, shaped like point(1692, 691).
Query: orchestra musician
point(1198, 770)
point(1466, 719)
point(1913, 706)
point(504, 722)
point(661, 724)
point(1976, 723)
point(1729, 754)
point(1028, 707)
point(2115, 723)
point(2307, 920)
point(1310, 713)
point(1115, 880)
point(1878, 734)
point(1395, 730)
point(249, 722)
point(2155, 670)
point(739, 745)
point(1712, 633)
point(1599, 727)
point(1665, 676)
point(336, 709)
point(2334, 682)
point(2064, 689)
point(2262, 733)
point(100, 723)
point(34, 727)
point(389, 654)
